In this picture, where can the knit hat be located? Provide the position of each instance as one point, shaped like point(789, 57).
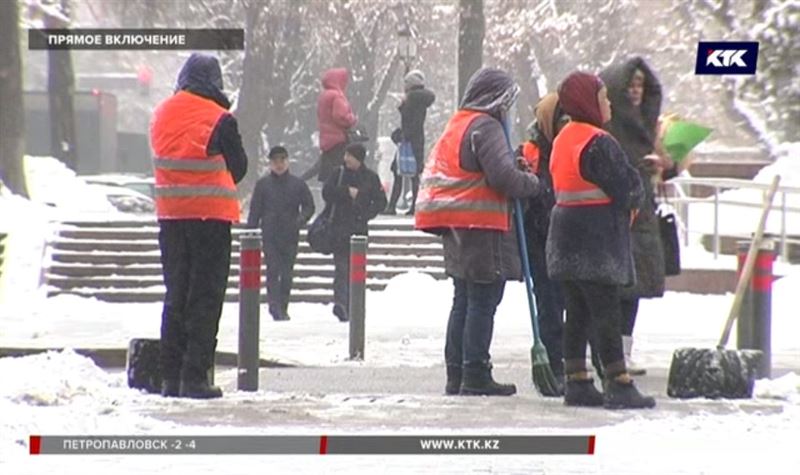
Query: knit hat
point(577, 95)
point(414, 78)
point(277, 150)
point(357, 151)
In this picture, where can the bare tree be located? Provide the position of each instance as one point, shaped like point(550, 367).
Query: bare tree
point(61, 90)
point(471, 28)
point(12, 130)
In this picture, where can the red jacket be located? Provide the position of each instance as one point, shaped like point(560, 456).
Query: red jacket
point(334, 115)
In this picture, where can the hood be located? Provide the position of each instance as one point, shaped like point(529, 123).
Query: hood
point(490, 90)
point(202, 75)
point(547, 114)
point(616, 79)
point(336, 78)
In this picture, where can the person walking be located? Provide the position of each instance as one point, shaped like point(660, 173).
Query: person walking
point(589, 242)
point(334, 117)
point(281, 205)
point(635, 95)
point(413, 110)
point(464, 195)
point(198, 158)
point(358, 195)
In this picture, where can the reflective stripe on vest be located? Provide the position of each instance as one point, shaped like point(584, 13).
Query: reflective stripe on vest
point(190, 184)
point(450, 196)
point(194, 163)
point(569, 186)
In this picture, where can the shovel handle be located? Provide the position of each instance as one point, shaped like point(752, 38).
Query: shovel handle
point(749, 263)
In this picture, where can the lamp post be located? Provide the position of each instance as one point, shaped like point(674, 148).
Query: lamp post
point(407, 46)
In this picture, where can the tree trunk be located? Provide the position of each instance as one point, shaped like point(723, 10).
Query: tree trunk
point(471, 27)
point(12, 114)
point(251, 106)
point(61, 91)
point(529, 91)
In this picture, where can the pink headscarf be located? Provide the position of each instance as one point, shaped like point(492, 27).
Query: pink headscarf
point(578, 97)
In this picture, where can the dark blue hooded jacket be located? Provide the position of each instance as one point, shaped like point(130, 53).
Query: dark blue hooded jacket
point(202, 76)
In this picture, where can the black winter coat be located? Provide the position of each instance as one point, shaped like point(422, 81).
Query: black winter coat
point(351, 216)
point(412, 120)
point(537, 214)
point(635, 130)
point(593, 243)
point(280, 206)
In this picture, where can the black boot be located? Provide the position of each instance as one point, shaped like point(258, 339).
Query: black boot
point(199, 390)
point(340, 313)
point(581, 392)
point(478, 381)
point(453, 385)
point(624, 395)
point(170, 388)
point(195, 373)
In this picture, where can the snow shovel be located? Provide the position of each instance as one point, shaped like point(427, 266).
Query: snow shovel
point(720, 373)
point(542, 374)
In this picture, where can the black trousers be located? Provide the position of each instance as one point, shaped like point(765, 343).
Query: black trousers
point(196, 260)
point(629, 309)
point(280, 259)
point(341, 277)
point(397, 188)
point(592, 309)
point(549, 304)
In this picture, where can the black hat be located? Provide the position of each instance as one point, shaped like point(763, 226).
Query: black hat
point(277, 150)
point(357, 151)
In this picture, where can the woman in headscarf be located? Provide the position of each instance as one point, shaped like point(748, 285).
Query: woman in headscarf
point(635, 95)
point(464, 195)
point(589, 242)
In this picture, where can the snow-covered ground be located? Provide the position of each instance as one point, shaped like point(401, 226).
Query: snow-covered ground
point(63, 393)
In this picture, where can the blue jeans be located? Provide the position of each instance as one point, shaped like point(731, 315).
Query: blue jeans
point(471, 323)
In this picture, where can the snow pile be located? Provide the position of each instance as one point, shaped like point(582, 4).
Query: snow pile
point(786, 388)
point(54, 379)
point(52, 183)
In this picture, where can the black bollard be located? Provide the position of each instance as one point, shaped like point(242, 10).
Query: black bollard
point(358, 290)
point(754, 327)
point(249, 309)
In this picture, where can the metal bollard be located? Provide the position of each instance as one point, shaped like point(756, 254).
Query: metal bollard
point(358, 290)
point(249, 309)
point(754, 326)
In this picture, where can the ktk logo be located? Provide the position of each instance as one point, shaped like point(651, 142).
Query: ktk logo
point(726, 57)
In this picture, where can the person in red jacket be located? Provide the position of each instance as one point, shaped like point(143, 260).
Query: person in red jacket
point(197, 159)
point(334, 117)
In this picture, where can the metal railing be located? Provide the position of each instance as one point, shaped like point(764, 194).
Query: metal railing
point(682, 197)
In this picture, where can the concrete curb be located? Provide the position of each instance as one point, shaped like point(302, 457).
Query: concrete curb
point(108, 358)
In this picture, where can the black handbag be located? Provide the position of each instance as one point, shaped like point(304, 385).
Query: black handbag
point(320, 232)
point(668, 230)
point(357, 134)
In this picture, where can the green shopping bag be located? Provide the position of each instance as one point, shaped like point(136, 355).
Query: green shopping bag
point(682, 136)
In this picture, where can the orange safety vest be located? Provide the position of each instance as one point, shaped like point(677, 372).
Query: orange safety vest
point(530, 152)
point(451, 197)
point(190, 184)
point(565, 167)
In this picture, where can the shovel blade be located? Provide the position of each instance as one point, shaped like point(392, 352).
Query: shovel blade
point(713, 373)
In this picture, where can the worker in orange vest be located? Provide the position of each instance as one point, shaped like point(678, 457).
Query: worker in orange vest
point(198, 158)
point(589, 242)
point(468, 180)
